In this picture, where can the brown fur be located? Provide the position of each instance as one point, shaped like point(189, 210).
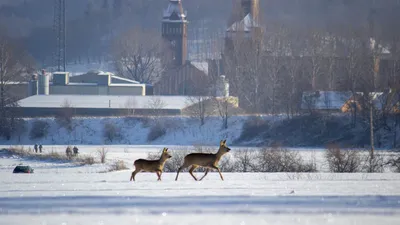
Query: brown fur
point(154, 166)
point(206, 160)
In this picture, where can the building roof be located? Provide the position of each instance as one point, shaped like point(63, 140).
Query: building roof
point(116, 79)
point(245, 25)
point(106, 101)
point(174, 9)
point(325, 100)
point(78, 69)
point(202, 66)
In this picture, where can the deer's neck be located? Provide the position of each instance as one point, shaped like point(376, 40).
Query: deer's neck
point(162, 160)
point(218, 155)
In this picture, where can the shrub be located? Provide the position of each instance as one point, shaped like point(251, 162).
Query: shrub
point(39, 129)
point(252, 127)
point(20, 151)
point(102, 154)
point(146, 121)
point(395, 163)
point(87, 160)
point(111, 132)
point(156, 131)
point(282, 160)
point(227, 164)
point(19, 128)
point(343, 161)
point(374, 164)
point(64, 117)
point(118, 165)
point(244, 160)
point(53, 155)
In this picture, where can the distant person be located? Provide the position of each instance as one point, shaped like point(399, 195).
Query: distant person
point(40, 148)
point(75, 150)
point(68, 152)
point(35, 147)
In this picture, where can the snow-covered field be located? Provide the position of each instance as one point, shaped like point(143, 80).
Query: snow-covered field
point(64, 193)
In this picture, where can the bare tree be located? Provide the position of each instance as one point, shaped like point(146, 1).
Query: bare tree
point(357, 65)
point(315, 44)
point(130, 104)
point(278, 50)
point(245, 62)
point(199, 107)
point(140, 55)
point(293, 84)
point(225, 108)
point(65, 117)
point(14, 64)
point(156, 106)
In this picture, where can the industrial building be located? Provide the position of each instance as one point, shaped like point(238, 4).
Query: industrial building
point(107, 105)
point(91, 83)
point(43, 105)
point(100, 105)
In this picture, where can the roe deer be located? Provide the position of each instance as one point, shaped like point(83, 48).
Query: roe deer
point(151, 165)
point(206, 160)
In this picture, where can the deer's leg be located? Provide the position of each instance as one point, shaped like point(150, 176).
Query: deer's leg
point(191, 171)
point(159, 175)
point(134, 174)
point(219, 171)
point(179, 170)
point(205, 174)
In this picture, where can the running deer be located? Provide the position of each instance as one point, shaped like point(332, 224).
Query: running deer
point(156, 166)
point(206, 160)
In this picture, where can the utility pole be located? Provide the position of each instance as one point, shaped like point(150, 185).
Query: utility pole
point(371, 127)
point(60, 35)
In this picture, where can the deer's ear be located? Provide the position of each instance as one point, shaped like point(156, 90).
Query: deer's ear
point(166, 149)
point(224, 142)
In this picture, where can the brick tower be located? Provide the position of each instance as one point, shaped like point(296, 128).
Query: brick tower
point(174, 31)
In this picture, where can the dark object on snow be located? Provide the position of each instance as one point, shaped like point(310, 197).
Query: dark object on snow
point(68, 152)
point(23, 169)
point(75, 149)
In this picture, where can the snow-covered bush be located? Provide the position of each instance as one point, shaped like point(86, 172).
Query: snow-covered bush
point(87, 160)
point(252, 127)
point(281, 160)
point(118, 165)
point(64, 117)
point(39, 129)
point(245, 160)
point(375, 164)
point(102, 154)
point(156, 131)
point(111, 132)
point(343, 161)
point(395, 163)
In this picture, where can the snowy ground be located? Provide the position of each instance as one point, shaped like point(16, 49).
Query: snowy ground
point(63, 193)
point(90, 131)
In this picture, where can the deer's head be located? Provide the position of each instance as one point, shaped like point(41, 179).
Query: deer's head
point(165, 154)
point(223, 148)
